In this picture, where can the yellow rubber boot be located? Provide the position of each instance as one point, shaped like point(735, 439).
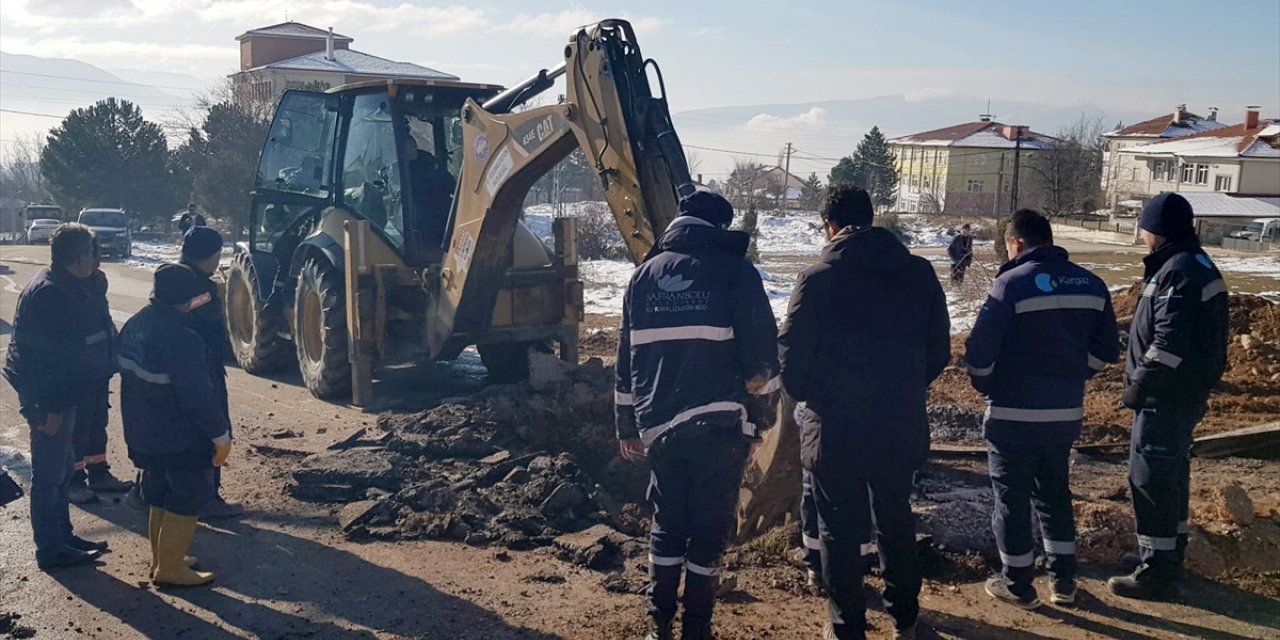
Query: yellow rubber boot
point(154, 520)
point(176, 533)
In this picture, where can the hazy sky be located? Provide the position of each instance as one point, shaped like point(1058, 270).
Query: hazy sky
point(1142, 57)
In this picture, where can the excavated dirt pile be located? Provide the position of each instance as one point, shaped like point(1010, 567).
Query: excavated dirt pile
point(517, 466)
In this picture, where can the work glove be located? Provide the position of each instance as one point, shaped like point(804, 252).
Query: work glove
point(221, 449)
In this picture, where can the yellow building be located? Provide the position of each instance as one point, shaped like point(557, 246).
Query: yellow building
point(966, 169)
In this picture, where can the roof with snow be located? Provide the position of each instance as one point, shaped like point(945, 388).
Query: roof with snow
point(1236, 141)
point(292, 30)
point(350, 62)
point(984, 134)
point(1171, 125)
point(1221, 205)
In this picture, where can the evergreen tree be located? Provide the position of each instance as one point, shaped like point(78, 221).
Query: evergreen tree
point(811, 193)
point(870, 167)
point(108, 155)
point(221, 158)
point(751, 226)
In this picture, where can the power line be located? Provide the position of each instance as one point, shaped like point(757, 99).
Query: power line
point(121, 82)
point(86, 91)
point(88, 102)
point(32, 113)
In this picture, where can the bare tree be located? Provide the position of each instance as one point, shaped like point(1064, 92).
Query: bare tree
point(747, 184)
point(20, 175)
point(694, 161)
point(1068, 175)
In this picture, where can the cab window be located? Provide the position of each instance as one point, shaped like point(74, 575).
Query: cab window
point(298, 155)
point(371, 167)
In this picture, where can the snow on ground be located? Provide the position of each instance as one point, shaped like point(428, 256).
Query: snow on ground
point(150, 254)
point(1256, 265)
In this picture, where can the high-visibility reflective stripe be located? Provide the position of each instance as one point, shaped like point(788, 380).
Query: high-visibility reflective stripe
point(1150, 290)
point(1021, 560)
point(774, 384)
point(650, 436)
point(1053, 303)
point(1217, 287)
point(811, 543)
point(97, 337)
point(1013, 414)
point(1060, 547)
point(1157, 543)
point(147, 376)
point(1163, 357)
point(695, 332)
point(665, 561)
point(1096, 363)
point(981, 372)
point(701, 570)
point(623, 399)
point(1183, 528)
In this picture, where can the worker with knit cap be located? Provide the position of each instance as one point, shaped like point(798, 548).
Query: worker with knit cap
point(1177, 353)
point(174, 425)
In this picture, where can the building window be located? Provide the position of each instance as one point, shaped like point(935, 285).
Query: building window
point(927, 182)
point(1188, 172)
point(1135, 174)
point(1222, 183)
point(942, 158)
point(1202, 174)
point(915, 181)
point(976, 186)
point(1158, 170)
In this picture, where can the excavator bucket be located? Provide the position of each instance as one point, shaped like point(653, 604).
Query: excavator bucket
point(770, 493)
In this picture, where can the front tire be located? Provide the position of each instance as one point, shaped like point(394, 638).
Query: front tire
point(255, 336)
point(320, 329)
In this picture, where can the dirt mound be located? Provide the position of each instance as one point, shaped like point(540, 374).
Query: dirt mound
point(514, 465)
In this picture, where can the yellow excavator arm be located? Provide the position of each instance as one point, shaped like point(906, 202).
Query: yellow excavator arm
point(611, 113)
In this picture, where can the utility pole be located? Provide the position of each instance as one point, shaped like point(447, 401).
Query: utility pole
point(786, 177)
point(1017, 152)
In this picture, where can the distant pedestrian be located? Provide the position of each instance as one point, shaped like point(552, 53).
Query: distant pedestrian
point(1046, 328)
point(202, 252)
point(866, 332)
point(961, 253)
point(93, 473)
point(45, 367)
point(1177, 353)
point(189, 218)
point(698, 342)
point(174, 425)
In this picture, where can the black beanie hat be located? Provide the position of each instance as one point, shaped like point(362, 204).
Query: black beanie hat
point(707, 205)
point(1168, 215)
point(175, 284)
point(199, 243)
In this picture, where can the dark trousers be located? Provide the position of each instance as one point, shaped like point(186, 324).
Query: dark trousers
point(958, 269)
point(809, 533)
point(848, 506)
point(177, 489)
point(52, 462)
point(91, 427)
point(1024, 475)
point(696, 474)
point(1160, 481)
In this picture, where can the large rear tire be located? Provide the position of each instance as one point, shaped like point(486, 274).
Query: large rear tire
point(320, 329)
point(255, 336)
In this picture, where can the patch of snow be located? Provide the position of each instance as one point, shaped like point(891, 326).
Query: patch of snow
point(604, 283)
point(1259, 265)
point(150, 254)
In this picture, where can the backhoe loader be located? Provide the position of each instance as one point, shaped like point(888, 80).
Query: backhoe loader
point(386, 227)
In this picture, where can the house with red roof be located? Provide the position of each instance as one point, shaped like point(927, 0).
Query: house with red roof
point(1123, 176)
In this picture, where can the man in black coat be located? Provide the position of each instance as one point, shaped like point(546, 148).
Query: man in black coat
point(202, 251)
point(961, 253)
point(697, 349)
point(1177, 353)
point(45, 365)
point(867, 331)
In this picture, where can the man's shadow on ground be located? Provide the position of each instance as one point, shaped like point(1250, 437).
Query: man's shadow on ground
point(313, 588)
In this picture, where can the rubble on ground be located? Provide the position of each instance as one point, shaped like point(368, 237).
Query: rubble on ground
point(518, 466)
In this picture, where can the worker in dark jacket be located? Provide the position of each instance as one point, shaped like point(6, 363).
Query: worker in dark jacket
point(93, 474)
point(175, 428)
point(867, 331)
point(698, 338)
point(45, 367)
point(1046, 328)
point(1177, 353)
point(202, 251)
point(961, 253)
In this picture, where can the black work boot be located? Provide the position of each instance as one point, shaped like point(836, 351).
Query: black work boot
point(78, 492)
point(660, 628)
point(1147, 583)
point(101, 480)
point(696, 629)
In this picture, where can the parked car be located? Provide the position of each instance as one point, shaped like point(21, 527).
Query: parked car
point(41, 229)
point(112, 228)
point(1260, 230)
